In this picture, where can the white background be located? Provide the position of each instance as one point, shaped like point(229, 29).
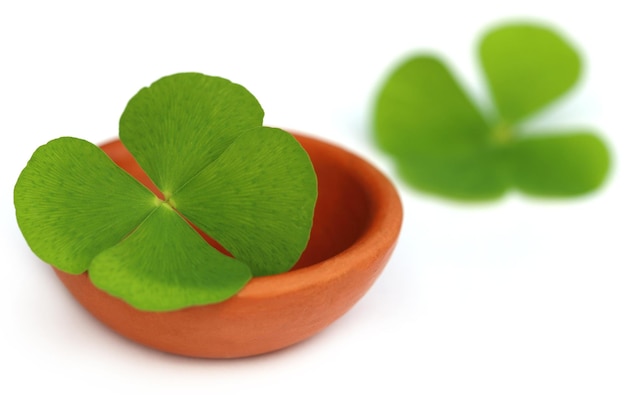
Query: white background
point(522, 296)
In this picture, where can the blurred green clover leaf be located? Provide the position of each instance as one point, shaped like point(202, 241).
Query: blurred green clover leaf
point(201, 141)
point(442, 144)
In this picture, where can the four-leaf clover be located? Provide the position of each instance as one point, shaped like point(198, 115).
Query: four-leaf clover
point(442, 143)
point(201, 141)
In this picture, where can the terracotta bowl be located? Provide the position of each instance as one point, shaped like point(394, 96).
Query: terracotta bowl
point(356, 224)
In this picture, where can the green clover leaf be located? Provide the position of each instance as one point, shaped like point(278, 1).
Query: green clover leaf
point(443, 144)
point(201, 141)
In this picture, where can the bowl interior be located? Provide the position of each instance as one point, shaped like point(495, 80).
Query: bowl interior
point(341, 213)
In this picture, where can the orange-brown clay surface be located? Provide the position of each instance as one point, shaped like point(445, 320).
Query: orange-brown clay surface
point(356, 224)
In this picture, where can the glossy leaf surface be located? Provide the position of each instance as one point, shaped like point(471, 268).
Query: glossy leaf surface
point(256, 200)
point(480, 176)
point(527, 67)
point(183, 122)
point(72, 202)
point(166, 265)
point(560, 165)
point(423, 110)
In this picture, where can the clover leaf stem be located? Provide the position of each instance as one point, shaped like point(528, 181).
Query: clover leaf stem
point(167, 199)
point(502, 134)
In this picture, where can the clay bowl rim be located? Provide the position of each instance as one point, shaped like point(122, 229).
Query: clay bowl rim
point(379, 236)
